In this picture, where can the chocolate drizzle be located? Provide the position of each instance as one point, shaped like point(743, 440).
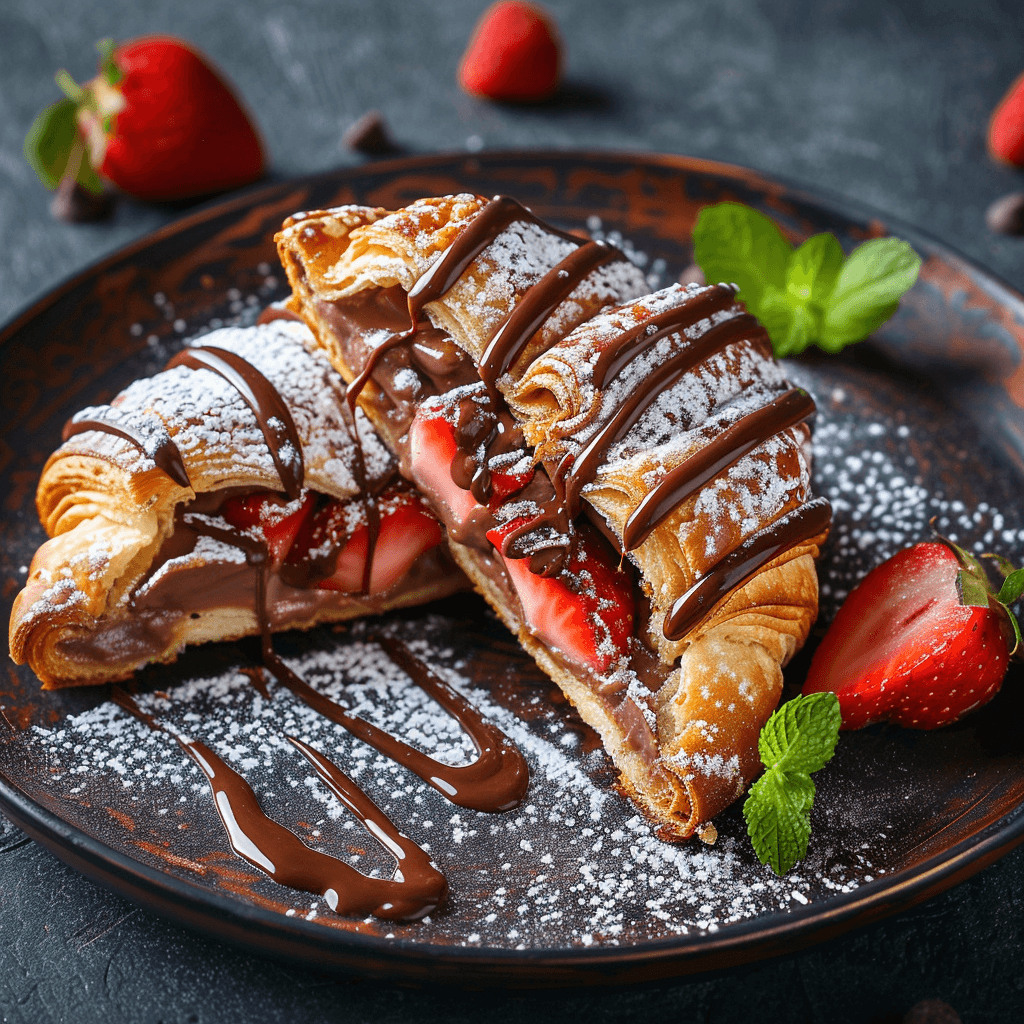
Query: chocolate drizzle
point(262, 397)
point(277, 311)
point(573, 472)
point(496, 781)
point(739, 439)
point(549, 538)
point(536, 306)
point(795, 527)
point(497, 215)
point(164, 453)
point(581, 468)
point(416, 889)
point(637, 340)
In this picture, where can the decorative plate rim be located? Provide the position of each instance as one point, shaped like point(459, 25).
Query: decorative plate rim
point(733, 944)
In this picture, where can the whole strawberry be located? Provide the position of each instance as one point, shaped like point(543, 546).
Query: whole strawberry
point(922, 640)
point(1006, 128)
point(157, 121)
point(514, 54)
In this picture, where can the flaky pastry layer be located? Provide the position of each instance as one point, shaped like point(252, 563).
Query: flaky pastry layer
point(109, 509)
point(704, 721)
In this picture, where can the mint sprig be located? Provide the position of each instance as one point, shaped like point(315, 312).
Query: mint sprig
point(812, 295)
point(798, 739)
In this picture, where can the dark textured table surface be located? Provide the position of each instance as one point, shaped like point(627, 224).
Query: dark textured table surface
point(882, 102)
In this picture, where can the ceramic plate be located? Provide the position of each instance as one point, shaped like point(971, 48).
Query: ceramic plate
point(923, 420)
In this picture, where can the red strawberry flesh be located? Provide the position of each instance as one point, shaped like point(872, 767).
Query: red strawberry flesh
point(904, 649)
point(405, 533)
point(586, 611)
point(271, 516)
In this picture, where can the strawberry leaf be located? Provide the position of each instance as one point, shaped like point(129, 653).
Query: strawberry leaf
point(1012, 588)
point(108, 69)
point(1003, 565)
point(50, 141)
point(973, 591)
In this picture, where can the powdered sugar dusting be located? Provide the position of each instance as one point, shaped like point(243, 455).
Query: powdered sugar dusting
point(214, 428)
point(574, 843)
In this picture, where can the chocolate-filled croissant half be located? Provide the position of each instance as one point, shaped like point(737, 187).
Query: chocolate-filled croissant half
point(624, 476)
point(220, 498)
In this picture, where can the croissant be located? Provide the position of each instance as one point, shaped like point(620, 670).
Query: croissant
point(227, 489)
point(624, 476)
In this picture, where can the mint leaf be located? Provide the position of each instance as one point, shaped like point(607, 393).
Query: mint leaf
point(738, 245)
point(812, 295)
point(50, 140)
point(801, 736)
point(798, 739)
point(778, 814)
point(775, 312)
point(868, 291)
point(804, 325)
point(814, 269)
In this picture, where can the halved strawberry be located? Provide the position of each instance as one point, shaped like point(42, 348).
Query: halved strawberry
point(406, 531)
point(270, 515)
point(432, 448)
point(586, 611)
point(920, 641)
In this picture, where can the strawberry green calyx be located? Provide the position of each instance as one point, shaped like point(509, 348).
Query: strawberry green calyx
point(68, 139)
point(975, 589)
point(157, 122)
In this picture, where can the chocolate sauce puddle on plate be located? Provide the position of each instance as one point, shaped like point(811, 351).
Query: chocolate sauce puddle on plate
point(416, 889)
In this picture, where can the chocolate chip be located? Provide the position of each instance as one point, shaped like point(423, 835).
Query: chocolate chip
point(370, 135)
point(77, 205)
point(692, 275)
point(932, 1011)
point(1006, 215)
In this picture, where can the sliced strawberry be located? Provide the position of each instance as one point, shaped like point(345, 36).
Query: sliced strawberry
point(505, 484)
point(431, 450)
point(903, 648)
point(586, 611)
point(407, 530)
point(272, 516)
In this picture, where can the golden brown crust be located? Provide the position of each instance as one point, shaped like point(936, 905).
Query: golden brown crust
point(727, 673)
point(109, 509)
